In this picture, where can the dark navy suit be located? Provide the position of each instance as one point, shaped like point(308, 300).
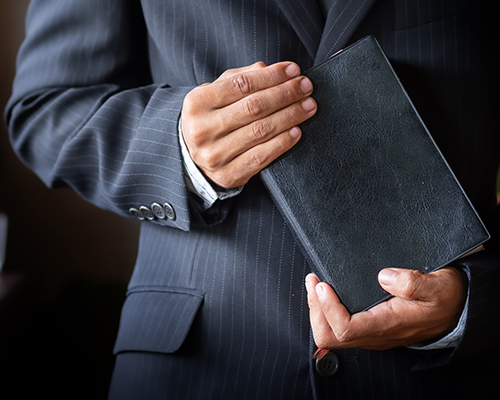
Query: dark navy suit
point(216, 307)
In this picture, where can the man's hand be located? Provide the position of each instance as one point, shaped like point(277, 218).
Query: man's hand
point(425, 307)
point(238, 124)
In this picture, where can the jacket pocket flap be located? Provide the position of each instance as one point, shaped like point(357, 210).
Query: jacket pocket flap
point(156, 320)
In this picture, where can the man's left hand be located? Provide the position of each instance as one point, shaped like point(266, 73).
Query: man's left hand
point(424, 307)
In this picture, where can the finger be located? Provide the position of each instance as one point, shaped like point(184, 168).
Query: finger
point(377, 328)
point(234, 161)
point(340, 321)
point(239, 170)
point(438, 286)
point(204, 101)
point(248, 137)
point(239, 156)
point(398, 321)
point(257, 106)
point(237, 86)
point(235, 71)
point(322, 332)
point(363, 329)
point(406, 284)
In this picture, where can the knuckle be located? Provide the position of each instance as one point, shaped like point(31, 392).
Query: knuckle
point(196, 134)
point(257, 159)
point(293, 114)
point(197, 103)
point(259, 64)
point(208, 158)
point(260, 129)
point(241, 83)
point(281, 143)
point(221, 124)
point(288, 93)
point(411, 284)
point(227, 73)
point(344, 336)
point(253, 106)
point(188, 106)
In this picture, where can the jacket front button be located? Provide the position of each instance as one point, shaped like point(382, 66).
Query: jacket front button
point(147, 213)
point(158, 211)
point(328, 364)
point(169, 211)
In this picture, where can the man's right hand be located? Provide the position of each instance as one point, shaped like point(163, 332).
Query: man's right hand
point(238, 124)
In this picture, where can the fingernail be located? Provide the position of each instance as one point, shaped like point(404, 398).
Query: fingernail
point(292, 70)
point(294, 132)
point(387, 276)
point(308, 104)
point(306, 85)
point(319, 289)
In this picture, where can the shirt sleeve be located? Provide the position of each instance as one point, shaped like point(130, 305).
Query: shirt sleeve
point(198, 184)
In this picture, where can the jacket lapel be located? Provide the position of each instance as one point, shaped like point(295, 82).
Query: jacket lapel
point(324, 26)
point(342, 19)
point(307, 21)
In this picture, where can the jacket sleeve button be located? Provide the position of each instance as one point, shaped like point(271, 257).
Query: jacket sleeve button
point(147, 213)
point(136, 213)
point(169, 211)
point(158, 211)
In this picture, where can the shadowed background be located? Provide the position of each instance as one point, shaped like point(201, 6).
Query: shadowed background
point(65, 270)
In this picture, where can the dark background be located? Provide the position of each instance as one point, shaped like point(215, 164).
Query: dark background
point(66, 267)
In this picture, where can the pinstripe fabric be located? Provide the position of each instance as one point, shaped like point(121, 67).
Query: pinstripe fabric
point(216, 307)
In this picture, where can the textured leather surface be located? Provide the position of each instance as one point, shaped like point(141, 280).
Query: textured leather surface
point(367, 187)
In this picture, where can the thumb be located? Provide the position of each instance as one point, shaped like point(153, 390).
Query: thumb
point(406, 284)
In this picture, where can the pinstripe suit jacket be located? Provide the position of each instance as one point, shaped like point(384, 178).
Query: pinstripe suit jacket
point(216, 307)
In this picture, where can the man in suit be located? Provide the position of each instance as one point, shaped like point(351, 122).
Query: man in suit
point(167, 111)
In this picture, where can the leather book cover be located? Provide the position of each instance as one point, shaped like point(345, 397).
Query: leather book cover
point(366, 187)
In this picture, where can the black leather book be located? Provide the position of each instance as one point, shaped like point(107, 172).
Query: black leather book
point(366, 187)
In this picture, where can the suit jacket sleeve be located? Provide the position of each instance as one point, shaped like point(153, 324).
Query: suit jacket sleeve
point(85, 112)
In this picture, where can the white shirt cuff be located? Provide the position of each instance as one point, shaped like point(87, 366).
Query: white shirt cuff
point(196, 181)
